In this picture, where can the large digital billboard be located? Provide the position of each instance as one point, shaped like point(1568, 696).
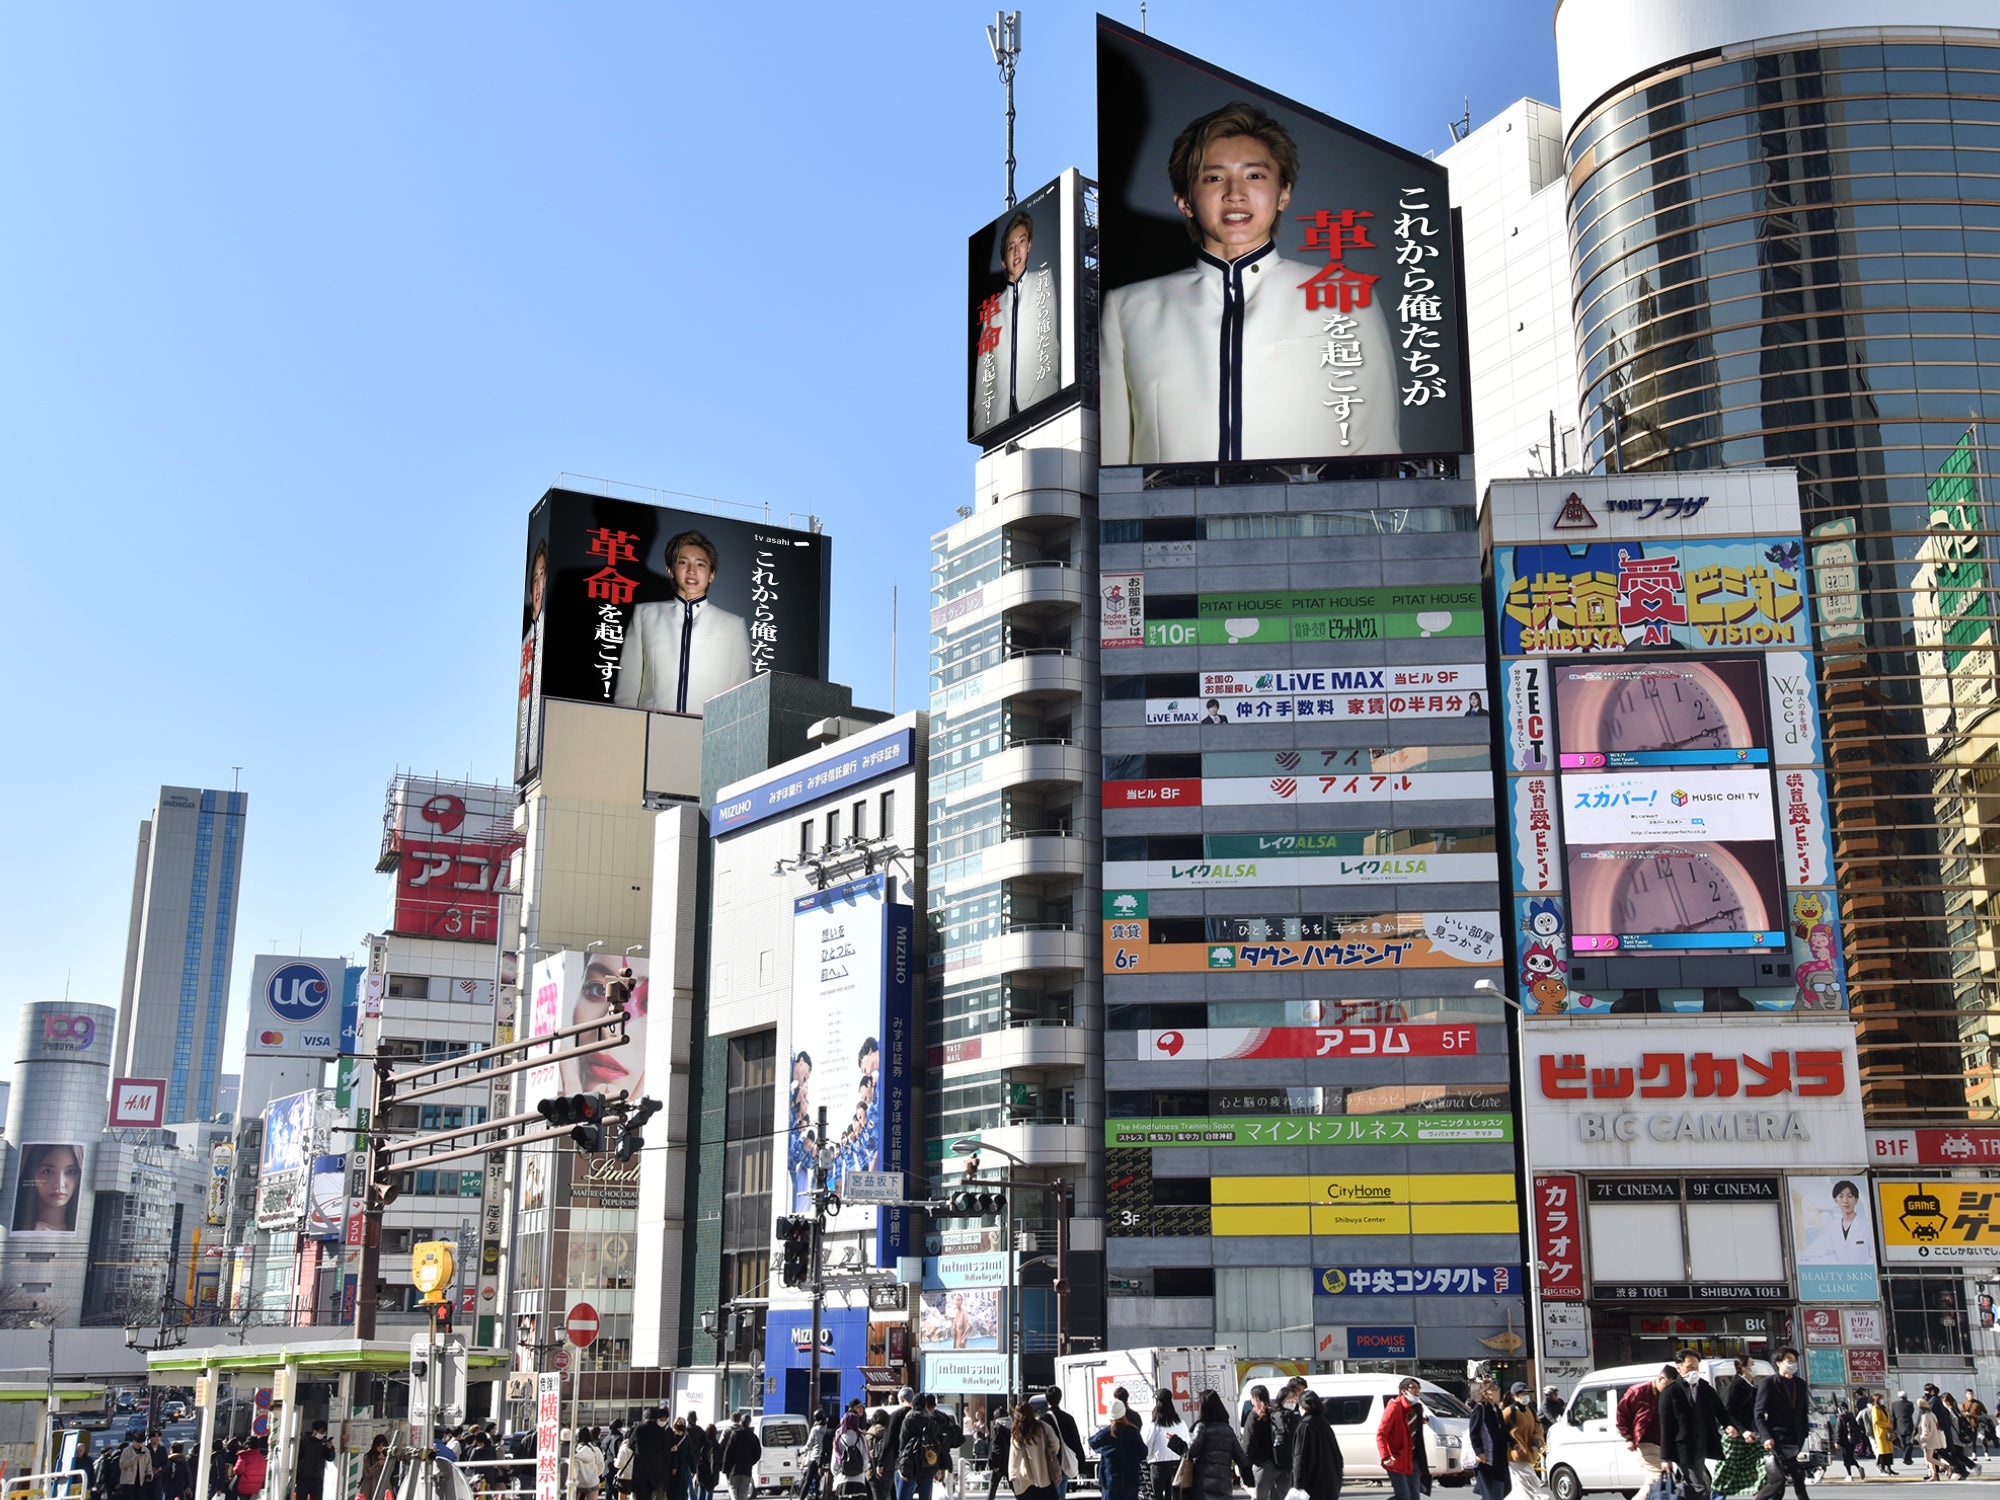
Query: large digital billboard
point(645, 606)
point(1021, 278)
point(570, 989)
point(1276, 285)
point(853, 975)
point(49, 1188)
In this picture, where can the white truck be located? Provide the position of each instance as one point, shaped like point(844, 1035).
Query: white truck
point(1087, 1380)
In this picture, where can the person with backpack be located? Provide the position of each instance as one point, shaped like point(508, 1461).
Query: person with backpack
point(176, 1477)
point(950, 1435)
point(738, 1460)
point(851, 1455)
point(914, 1438)
point(1260, 1447)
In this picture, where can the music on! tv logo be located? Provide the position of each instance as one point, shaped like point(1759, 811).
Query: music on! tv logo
point(61, 1033)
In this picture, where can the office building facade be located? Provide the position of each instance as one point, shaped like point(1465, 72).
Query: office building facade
point(180, 940)
point(1785, 234)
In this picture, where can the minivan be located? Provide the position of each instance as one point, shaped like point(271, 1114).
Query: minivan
point(1585, 1451)
point(1353, 1407)
point(783, 1435)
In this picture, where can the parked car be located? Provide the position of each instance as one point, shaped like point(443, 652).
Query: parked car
point(1586, 1453)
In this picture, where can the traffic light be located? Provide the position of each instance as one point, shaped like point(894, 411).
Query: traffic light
point(583, 1111)
point(443, 1315)
point(795, 1234)
point(977, 1202)
point(630, 1138)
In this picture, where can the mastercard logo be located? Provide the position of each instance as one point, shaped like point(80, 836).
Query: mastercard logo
point(270, 1038)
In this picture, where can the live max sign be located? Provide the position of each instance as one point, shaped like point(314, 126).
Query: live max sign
point(1969, 1146)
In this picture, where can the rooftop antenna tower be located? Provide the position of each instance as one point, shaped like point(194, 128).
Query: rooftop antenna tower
point(1004, 37)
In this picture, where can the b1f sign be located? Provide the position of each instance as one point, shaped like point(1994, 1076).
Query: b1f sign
point(294, 1006)
point(137, 1104)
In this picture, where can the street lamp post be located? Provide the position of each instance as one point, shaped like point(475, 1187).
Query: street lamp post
point(1484, 986)
point(45, 1437)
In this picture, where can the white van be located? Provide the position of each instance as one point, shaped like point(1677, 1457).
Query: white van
point(1586, 1453)
point(783, 1435)
point(1353, 1405)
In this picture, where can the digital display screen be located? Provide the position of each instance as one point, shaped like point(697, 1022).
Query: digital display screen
point(1661, 713)
point(1665, 897)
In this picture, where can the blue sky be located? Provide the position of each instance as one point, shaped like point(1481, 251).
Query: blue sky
point(305, 306)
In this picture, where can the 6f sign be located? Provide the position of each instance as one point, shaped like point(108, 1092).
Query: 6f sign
point(298, 992)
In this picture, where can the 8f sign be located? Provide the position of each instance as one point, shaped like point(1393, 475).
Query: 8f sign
point(298, 992)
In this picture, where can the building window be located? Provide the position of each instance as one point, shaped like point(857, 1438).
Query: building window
point(1926, 1314)
point(861, 820)
point(886, 826)
point(806, 836)
point(409, 987)
point(833, 828)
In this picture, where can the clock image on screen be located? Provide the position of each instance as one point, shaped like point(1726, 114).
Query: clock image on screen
point(1676, 896)
point(1682, 712)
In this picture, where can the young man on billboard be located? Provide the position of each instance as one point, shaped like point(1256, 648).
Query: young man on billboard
point(1020, 360)
point(680, 652)
point(1229, 359)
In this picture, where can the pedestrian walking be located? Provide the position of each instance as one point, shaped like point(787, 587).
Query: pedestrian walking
point(1957, 1434)
point(176, 1480)
point(586, 1465)
point(373, 1462)
point(851, 1455)
point(250, 1468)
point(1166, 1441)
point(1398, 1442)
point(1486, 1436)
point(1121, 1454)
point(1638, 1422)
point(1742, 1467)
point(1846, 1438)
point(1882, 1431)
point(1784, 1416)
point(1072, 1440)
point(1525, 1441)
point(738, 1461)
point(1258, 1446)
point(1553, 1406)
point(1216, 1450)
point(652, 1457)
point(1692, 1418)
point(881, 1462)
point(1930, 1441)
point(1318, 1465)
point(1000, 1434)
point(1903, 1424)
point(1034, 1456)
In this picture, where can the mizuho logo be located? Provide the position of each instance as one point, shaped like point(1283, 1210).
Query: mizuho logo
point(298, 992)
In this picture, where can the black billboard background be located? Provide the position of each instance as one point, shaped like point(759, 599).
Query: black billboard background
point(794, 565)
point(1147, 92)
point(986, 276)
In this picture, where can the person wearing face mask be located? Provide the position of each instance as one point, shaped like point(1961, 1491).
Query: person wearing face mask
point(680, 652)
point(1784, 1416)
point(1691, 1423)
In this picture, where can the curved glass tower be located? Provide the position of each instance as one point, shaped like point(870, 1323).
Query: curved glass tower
point(1786, 250)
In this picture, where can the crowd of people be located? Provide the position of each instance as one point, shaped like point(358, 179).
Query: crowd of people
point(1764, 1437)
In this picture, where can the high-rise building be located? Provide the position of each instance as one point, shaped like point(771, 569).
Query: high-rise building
point(180, 938)
point(1785, 240)
point(1014, 1011)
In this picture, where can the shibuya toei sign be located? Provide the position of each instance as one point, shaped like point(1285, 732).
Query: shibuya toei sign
point(1608, 1094)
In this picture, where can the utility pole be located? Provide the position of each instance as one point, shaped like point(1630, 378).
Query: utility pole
point(818, 1268)
point(1004, 37)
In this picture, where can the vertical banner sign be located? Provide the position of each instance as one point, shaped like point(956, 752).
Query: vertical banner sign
point(1559, 1237)
point(853, 987)
point(548, 1436)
